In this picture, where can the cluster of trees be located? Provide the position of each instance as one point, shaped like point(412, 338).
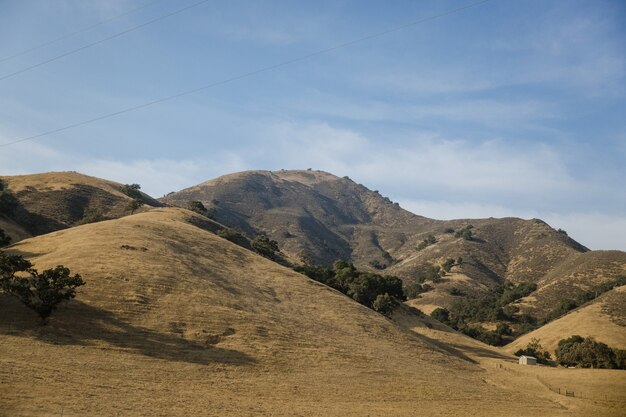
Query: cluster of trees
point(567, 305)
point(39, 291)
point(587, 353)
point(466, 312)
point(378, 292)
point(534, 348)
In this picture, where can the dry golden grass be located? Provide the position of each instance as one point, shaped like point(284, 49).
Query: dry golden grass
point(329, 218)
point(57, 200)
point(598, 319)
point(181, 322)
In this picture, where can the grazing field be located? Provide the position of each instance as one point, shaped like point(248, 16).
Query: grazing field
point(175, 321)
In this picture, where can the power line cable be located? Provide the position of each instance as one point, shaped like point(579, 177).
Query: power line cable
point(246, 75)
point(79, 31)
point(108, 38)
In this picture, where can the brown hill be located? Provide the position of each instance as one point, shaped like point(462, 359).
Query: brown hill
point(176, 321)
point(57, 200)
point(604, 319)
point(316, 216)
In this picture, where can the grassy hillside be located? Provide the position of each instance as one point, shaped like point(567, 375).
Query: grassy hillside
point(318, 217)
point(57, 200)
point(603, 319)
point(175, 321)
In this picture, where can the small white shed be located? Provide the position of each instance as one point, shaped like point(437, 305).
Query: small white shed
point(527, 360)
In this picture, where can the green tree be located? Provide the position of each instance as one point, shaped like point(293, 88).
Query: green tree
point(586, 353)
point(133, 205)
point(441, 314)
point(132, 190)
point(41, 292)
point(265, 247)
point(384, 304)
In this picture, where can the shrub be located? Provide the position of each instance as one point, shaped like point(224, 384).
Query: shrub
point(234, 236)
point(384, 304)
point(503, 329)
point(448, 264)
point(456, 292)
point(92, 216)
point(265, 247)
point(465, 233)
point(441, 314)
point(448, 230)
point(430, 240)
point(376, 264)
point(411, 291)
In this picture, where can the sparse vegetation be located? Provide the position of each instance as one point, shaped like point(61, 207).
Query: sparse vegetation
point(466, 233)
point(41, 292)
point(448, 264)
point(92, 216)
point(430, 240)
point(568, 305)
point(587, 353)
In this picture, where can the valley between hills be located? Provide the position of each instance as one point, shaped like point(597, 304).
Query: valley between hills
point(179, 315)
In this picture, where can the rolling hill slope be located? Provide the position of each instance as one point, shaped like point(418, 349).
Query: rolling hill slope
point(604, 319)
point(57, 200)
point(316, 216)
point(175, 321)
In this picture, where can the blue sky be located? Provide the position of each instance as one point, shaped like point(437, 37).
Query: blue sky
point(509, 108)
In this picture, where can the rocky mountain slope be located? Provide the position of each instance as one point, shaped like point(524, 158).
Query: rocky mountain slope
point(317, 217)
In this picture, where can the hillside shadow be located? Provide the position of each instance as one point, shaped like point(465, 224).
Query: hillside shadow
point(80, 324)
